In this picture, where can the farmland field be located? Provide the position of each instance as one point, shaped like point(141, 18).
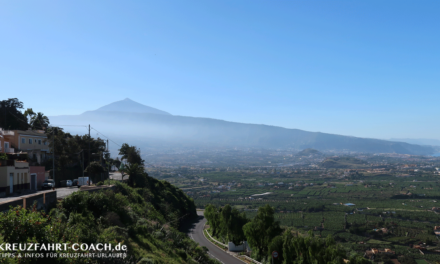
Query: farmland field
point(358, 209)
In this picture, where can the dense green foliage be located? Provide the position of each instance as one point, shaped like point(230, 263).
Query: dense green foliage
point(11, 117)
point(264, 235)
point(227, 222)
point(36, 120)
point(131, 154)
point(72, 154)
point(262, 229)
point(145, 218)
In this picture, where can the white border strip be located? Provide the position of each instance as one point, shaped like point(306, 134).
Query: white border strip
point(248, 258)
point(213, 238)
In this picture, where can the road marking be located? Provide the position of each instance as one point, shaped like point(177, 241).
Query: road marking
point(215, 258)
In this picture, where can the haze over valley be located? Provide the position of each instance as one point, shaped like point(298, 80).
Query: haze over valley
point(157, 131)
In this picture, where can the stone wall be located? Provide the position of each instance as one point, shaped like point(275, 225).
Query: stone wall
point(45, 201)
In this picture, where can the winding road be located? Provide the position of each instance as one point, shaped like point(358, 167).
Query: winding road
point(195, 232)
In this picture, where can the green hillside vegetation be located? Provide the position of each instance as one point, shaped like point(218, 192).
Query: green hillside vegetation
point(308, 152)
point(264, 235)
point(343, 163)
point(146, 218)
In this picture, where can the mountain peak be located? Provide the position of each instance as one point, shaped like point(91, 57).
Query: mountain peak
point(129, 106)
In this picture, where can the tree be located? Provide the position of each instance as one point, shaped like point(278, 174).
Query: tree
point(29, 114)
point(94, 169)
point(69, 152)
point(10, 116)
point(276, 245)
point(288, 249)
point(131, 154)
point(39, 121)
point(135, 171)
point(212, 214)
point(232, 223)
point(116, 162)
point(262, 229)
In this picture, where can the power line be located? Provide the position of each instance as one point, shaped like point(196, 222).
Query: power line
point(114, 142)
point(70, 125)
point(106, 137)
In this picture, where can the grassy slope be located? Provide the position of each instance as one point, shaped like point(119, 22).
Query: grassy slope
point(146, 219)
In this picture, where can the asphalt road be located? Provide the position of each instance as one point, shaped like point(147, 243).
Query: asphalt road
point(65, 191)
point(196, 233)
point(117, 176)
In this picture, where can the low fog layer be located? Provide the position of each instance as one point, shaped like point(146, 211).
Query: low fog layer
point(149, 128)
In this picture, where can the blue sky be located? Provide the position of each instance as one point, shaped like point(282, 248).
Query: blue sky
point(359, 68)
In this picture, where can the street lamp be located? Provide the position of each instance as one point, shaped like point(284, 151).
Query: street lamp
point(53, 155)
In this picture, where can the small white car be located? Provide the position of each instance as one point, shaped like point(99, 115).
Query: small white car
point(69, 183)
point(48, 184)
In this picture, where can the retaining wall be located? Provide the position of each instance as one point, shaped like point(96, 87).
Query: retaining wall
point(45, 200)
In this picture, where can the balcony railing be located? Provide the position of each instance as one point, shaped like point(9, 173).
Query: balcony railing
point(9, 150)
point(7, 132)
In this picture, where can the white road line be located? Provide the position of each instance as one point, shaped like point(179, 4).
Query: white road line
point(215, 258)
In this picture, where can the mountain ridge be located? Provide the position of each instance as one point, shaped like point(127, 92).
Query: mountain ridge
point(129, 106)
point(418, 141)
point(208, 132)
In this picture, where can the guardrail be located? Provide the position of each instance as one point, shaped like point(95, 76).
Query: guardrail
point(214, 239)
point(251, 259)
point(246, 257)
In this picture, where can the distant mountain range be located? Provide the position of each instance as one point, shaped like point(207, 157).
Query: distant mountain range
point(148, 127)
point(418, 141)
point(130, 106)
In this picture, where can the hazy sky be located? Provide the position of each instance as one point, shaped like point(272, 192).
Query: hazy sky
point(361, 68)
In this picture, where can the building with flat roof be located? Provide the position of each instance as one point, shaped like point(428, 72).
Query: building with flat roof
point(32, 142)
point(14, 176)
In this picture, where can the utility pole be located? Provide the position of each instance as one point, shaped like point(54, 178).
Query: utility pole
point(89, 144)
point(108, 172)
point(89, 153)
point(83, 162)
point(53, 158)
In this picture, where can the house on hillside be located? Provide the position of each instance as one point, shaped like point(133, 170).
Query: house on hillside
point(15, 175)
point(33, 142)
point(5, 144)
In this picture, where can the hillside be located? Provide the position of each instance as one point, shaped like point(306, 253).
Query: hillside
point(343, 163)
point(307, 152)
point(418, 141)
point(162, 130)
point(145, 219)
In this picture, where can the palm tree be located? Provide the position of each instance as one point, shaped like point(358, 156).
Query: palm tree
point(133, 170)
point(29, 114)
point(39, 121)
